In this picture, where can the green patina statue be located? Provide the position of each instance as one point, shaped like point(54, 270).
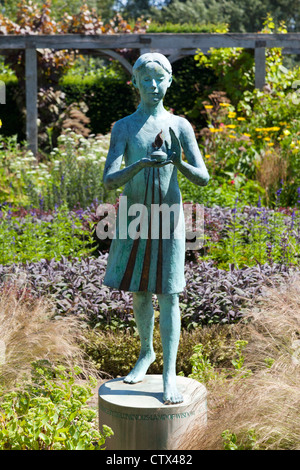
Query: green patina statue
point(150, 142)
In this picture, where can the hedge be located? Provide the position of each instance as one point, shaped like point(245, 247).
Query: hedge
point(13, 121)
point(111, 96)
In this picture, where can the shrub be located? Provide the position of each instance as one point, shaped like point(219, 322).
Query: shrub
point(251, 133)
point(103, 94)
point(72, 175)
point(31, 239)
point(37, 19)
point(50, 413)
point(252, 235)
point(114, 351)
point(211, 295)
point(175, 28)
point(13, 121)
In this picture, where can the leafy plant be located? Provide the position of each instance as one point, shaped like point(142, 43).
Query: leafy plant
point(50, 413)
point(33, 239)
point(52, 65)
point(231, 442)
point(202, 369)
point(72, 175)
point(251, 133)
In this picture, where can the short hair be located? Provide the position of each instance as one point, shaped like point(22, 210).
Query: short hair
point(152, 57)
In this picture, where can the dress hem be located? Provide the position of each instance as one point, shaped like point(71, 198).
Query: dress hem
point(150, 292)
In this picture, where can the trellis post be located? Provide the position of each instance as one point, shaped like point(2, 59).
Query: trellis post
point(260, 64)
point(31, 99)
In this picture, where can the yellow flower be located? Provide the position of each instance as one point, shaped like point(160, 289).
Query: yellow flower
point(232, 136)
point(241, 119)
point(0, 123)
point(267, 138)
point(208, 106)
point(286, 132)
point(270, 144)
point(213, 129)
point(207, 155)
point(224, 104)
point(231, 115)
point(231, 126)
point(266, 129)
point(247, 135)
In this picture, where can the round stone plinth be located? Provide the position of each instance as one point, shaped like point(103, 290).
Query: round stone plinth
point(140, 420)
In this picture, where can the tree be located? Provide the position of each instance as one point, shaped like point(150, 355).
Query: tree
point(136, 8)
point(241, 15)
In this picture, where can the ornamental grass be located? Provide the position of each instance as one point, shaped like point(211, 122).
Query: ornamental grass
point(260, 410)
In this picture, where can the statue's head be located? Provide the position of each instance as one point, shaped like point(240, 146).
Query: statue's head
point(152, 75)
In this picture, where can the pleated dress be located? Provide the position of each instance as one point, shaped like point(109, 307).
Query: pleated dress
point(153, 260)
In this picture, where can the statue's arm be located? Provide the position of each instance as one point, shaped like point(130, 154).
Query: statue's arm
point(194, 168)
point(113, 176)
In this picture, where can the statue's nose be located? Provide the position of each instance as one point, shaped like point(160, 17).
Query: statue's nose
point(154, 84)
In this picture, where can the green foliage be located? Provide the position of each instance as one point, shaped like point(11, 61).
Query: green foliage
point(253, 134)
point(72, 175)
point(222, 190)
point(50, 413)
point(115, 352)
point(240, 16)
point(26, 239)
point(189, 82)
point(247, 442)
point(202, 369)
point(13, 121)
point(189, 11)
point(102, 92)
point(191, 27)
point(260, 238)
point(239, 359)
point(52, 65)
point(234, 68)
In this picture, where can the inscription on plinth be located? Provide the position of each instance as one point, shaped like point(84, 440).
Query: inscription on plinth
point(141, 421)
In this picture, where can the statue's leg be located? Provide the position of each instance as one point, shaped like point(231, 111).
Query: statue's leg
point(144, 317)
point(170, 334)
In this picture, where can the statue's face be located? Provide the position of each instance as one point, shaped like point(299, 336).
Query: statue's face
point(152, 81)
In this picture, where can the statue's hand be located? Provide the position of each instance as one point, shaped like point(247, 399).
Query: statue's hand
point(151, 162)
point(174, 152)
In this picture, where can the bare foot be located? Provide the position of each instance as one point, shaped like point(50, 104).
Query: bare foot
point(139, 371)
point(171, 393)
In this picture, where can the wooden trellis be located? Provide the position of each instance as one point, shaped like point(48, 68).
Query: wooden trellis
point(175, 46)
